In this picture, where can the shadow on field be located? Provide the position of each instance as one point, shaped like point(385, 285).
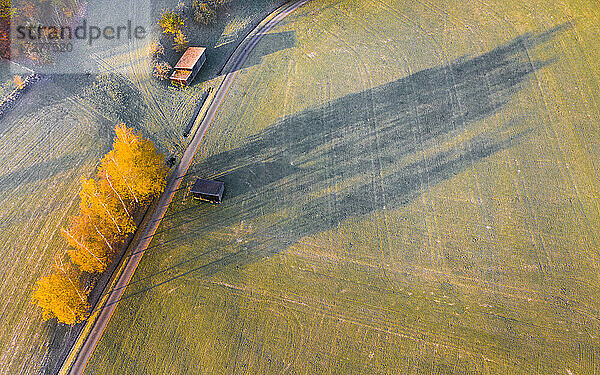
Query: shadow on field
point(349, 158)
point(37, 172)
point(270, 43)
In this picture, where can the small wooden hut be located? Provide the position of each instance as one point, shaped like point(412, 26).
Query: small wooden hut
point(208, 190)
point(188, 65)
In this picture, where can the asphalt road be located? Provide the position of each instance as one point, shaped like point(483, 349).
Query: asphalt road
point(237, 61)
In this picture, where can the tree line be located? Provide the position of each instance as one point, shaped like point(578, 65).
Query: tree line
point(128, 178)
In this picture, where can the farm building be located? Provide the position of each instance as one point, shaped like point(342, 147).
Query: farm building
point(208, 190)
point(188, 65)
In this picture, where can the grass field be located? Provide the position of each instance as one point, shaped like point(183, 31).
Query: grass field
point(56, 133)
point(411, 188)
point(48, 141)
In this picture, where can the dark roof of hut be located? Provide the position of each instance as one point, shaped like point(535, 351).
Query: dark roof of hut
point(208, 187)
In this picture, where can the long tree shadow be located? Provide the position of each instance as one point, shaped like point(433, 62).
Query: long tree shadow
point(37, 172)
point(349, 158)
point(269, 43)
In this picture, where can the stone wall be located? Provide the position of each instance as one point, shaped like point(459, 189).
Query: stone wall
point(10, 100)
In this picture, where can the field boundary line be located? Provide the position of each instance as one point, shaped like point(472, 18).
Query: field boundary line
point(202, 112)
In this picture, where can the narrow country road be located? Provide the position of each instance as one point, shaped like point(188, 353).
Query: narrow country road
point(236, 62)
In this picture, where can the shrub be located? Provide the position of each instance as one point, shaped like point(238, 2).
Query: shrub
point(19, 82)
point(170, 22)
point(203, 13)
point(156, 49)
point(161, 70)
point(180, 42)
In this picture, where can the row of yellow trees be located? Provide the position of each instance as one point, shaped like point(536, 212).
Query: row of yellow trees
point(128, 178)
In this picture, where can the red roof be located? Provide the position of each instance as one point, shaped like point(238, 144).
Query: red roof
point(190, 58)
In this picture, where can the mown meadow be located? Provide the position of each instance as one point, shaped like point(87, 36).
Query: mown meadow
point(411, 187)
point(56, 134)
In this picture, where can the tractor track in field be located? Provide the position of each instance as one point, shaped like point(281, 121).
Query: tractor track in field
point(331, 166)
point(472, 36)
point(412, 332)
point(369, 118)
point(569, 171)
point(531, 231)
point(534, 229)
point(406, 20)
point(446, 61)
point(318, 310)
point(553, 139)
point(173, 183)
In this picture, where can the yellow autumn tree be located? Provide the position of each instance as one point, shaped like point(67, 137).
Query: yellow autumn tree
point(180, 42)
point(99, 201)
point(91, 249)
point(61, 295)
point(19, 82)
point(170, 22)
point(135, 169)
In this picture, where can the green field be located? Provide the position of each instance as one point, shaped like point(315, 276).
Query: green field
point(411, 188)
point(56, 133)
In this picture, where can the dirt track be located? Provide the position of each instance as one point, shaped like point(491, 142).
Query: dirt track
point(173, 183)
